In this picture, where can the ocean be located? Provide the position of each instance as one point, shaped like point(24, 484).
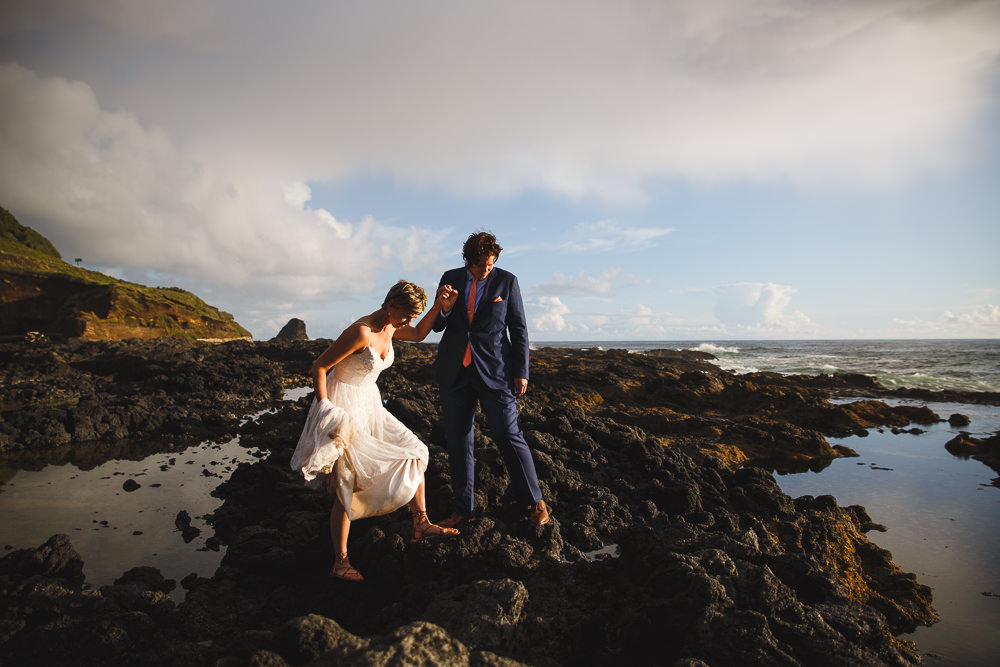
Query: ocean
point(959, 365)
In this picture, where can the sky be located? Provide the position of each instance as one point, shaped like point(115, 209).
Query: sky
point(654, 170)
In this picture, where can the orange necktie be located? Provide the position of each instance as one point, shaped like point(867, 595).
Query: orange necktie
point(467, 359)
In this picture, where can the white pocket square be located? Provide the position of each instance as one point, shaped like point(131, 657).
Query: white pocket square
point(498, 299)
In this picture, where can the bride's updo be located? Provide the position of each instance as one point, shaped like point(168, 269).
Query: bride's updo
point(408, 297)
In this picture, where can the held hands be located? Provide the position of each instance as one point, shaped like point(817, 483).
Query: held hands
point(447, 296)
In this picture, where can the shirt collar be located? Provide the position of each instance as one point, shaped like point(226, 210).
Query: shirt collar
point(469, 277)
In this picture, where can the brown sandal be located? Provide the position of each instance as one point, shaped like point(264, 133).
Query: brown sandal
point(342, 569)
point(425, 531)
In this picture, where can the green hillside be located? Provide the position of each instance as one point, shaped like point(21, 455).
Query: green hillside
point(41, 292)
point(15, 234)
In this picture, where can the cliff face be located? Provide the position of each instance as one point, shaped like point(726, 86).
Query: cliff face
point(40, 292)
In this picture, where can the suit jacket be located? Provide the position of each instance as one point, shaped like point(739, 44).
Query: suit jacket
point(498, 332)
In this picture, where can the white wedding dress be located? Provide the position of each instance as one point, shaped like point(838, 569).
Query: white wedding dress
point(353, 446)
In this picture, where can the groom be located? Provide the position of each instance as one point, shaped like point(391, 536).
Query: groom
point(479, 363)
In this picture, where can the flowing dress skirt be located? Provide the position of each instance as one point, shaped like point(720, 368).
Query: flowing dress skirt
point(352, 446)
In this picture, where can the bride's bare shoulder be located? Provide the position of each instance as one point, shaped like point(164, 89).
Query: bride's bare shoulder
point(353, 338)
point(356, 335)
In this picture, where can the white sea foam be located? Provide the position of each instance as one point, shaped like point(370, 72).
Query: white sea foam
point(712, 348)
point(736, 367)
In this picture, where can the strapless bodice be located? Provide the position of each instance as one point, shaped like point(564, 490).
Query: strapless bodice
point(363, 366)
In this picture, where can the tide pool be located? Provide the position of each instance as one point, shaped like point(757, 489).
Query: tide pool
point(943, 518)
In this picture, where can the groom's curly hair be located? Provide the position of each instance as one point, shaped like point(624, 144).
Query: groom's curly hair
point(479, 246)
point(407, 296)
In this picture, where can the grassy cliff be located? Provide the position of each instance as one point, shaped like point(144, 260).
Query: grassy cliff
point(41, 292)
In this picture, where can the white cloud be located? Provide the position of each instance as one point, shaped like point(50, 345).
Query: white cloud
point(104, 187)
point(581, 284)
point(297, 194)
point(415, 248)
point(640, 322)
point(547, 315)
point(612, 236)
point(978, 322)
point(759, 308)
point(984, 316)
point(642, 317)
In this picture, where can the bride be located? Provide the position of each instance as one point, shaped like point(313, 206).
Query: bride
point(351, 445)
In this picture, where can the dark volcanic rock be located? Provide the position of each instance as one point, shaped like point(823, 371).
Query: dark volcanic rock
point(643, 459)
point(91, 401)
point(47, 618)
point(986, 450)
point(294, 330)
point(958, 420)
point(55, 560)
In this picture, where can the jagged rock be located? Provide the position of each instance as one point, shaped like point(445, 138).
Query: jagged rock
point(986, 450)
point(294, 330)
point(307, 638)
point(91, 401)
point(323, 642)
point(145, 578)
point(958, 420)
point(47, 618)
point(486, 614)
point(56, 559)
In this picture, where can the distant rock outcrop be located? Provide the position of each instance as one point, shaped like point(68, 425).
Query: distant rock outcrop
point(42, 294)
point(294, 330)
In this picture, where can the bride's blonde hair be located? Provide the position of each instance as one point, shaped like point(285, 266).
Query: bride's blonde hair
point(407, 296)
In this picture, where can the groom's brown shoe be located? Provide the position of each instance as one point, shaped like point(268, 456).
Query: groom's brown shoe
point(539, 515)
point(456, 520)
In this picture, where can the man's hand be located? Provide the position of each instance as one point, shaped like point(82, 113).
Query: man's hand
point(447, 296)
point(520, 386)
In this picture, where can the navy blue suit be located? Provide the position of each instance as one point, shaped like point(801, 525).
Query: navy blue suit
point(498, 336)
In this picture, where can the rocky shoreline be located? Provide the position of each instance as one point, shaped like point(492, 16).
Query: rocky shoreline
point(671, 543)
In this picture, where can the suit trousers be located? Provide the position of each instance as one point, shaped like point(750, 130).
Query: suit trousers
point(500, 407)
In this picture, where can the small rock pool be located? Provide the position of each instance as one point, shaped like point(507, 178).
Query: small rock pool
point(942, 515)
point(115, 529)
